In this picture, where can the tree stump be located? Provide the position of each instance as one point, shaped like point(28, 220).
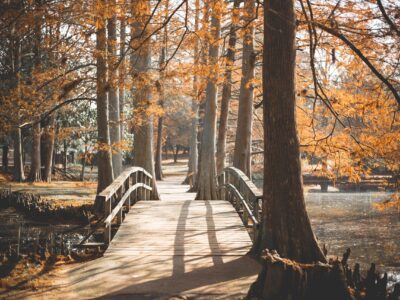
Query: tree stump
point(284, 279)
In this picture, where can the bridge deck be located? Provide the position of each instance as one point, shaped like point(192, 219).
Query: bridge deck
point(176, 246)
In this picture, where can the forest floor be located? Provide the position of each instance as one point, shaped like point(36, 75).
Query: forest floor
point(58, 193)
point(29, 274)
point(75, 193)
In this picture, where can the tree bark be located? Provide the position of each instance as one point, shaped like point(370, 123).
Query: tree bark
point(143, 153)
point(19, 174)
point(35, 173)
point(193, 145)
point(84, 163)
point(158, 156)
point(122, 74)
point(206, 182)
point(227, 90)
point(201, 97)
point(104, 157)
point(242, 153)
point(53, 165)
point(176, 153)
point(163, 55)
point(285, 279)
point(48, 139)
point(286, 226)
point(5, 157)
point(65, 164)
point(113, 100)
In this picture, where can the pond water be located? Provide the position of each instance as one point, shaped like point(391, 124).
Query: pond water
point(27, 236)
point(349, 220)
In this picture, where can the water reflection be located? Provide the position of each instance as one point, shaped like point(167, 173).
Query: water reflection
point(342, 220)
point(21, 235)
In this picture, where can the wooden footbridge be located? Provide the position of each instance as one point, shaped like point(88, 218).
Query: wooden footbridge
point(176, 246)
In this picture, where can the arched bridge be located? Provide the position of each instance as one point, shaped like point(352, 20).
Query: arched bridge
point(174, 246)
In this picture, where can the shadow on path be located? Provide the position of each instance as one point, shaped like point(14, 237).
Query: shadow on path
point(212, 237)
point(179, 242)
point(198, 279)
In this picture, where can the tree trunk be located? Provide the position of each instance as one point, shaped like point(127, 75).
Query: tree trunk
point(158, 158)
point(35, 172)
point(176, 153)
point(5, 157)
point(122, 73)
point(65, 164)
point(284, 279)
point(286, 226)
point(49, 132)
point(227, 90)
point(48, 139)
point(206, 182)
point(19, 174)
point(104, 158)
point(202, 101)
point(23, 155)
point(53, 164)
point(193, 145)
point(114, 113)
point(193, 152)
point(163, 55)
point(84, 164)
point(143, 153)
point(166, 152)
point(242, 153)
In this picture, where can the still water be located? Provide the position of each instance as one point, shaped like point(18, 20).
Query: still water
point(349, 220)
point(21, 235)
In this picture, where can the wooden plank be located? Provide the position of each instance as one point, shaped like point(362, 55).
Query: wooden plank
point(176, 246)
point(181, 227)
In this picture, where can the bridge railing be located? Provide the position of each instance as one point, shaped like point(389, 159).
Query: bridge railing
point(132, 185)
point(235, 187)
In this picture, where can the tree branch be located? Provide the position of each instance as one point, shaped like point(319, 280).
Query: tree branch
point(58, 106)
point(359, 54)
point(387, 18)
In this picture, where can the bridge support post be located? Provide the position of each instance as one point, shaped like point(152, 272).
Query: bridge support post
point(127, 187)
point(107, 229)
point(140, 191)
point(256, 207)
point(135, 180)
point(148, 192)
point(245, 218)
point(227, 181)
point(324, 187)
point(119, 217)
point(221, 183)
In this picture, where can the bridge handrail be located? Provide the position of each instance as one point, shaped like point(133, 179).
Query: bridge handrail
point(238, 189)
point(110, 190)
point(123, 192)
point(246, 207)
